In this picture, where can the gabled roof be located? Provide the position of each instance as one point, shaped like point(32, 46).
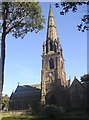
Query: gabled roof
point(25, 88)
point(25, 91)
point(76, 82)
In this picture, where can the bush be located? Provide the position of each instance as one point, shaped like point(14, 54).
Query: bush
point(50, 111)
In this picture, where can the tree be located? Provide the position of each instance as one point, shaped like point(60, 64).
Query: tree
point(51, 111)
point(5, 102)
point(85, 80)
point(73, 6)
point(19, 18)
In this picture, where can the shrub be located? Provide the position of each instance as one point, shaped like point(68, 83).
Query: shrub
point(50, 111)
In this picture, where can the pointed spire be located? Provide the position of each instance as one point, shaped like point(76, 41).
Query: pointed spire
point(51, 31)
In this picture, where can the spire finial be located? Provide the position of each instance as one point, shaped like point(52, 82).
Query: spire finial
point(50, 11)
point(50, 6)
point(51, 32)
point(18, 83)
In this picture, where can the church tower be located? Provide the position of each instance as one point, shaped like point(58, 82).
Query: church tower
point(53, 72)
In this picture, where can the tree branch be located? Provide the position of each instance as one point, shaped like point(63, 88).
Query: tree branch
point(14, 26)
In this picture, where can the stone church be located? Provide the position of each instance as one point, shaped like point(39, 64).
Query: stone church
point(53, 70)
point(54, 88)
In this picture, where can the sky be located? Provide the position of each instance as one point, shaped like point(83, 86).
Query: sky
point(23, 56)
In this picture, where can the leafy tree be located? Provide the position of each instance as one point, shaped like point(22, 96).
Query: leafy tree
point(5, 102)
point(51, 111)
point(19, 18)
point(73, 6)
point(85, 80)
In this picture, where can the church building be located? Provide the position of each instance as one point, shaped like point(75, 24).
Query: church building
point(54, 88)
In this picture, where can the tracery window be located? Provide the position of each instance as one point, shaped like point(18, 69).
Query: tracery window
point(51, 63)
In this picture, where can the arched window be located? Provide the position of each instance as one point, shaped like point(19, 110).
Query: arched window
point(51, 46)
point(50, 99)
point(51, 63)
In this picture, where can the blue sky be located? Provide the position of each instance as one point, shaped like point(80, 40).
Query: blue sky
point(23, 56)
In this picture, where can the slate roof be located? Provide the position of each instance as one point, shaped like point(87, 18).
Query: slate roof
point(25, 91)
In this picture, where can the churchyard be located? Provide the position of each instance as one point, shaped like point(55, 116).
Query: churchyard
point(21, 115)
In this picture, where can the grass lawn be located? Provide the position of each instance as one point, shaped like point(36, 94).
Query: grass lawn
point(19, 116)
point(38, 118)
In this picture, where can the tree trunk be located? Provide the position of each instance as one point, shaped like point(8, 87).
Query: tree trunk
point(3, 56)
point(3, 47)
point(4, 17)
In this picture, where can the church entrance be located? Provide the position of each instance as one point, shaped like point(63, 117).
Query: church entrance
point(50, 99)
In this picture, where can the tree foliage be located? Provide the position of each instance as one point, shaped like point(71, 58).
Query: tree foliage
point(19, 18)
point(51, 111)
point(5, 102)
point(85, 78)
point(73, 6)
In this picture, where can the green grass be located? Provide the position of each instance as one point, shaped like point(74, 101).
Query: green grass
point(18, 116)
point(39, 118)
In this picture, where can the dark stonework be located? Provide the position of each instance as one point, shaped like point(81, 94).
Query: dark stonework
point(78, 94)
point(23, 97)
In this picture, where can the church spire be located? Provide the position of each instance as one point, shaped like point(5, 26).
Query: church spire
point(53, 71)
point(51, 30)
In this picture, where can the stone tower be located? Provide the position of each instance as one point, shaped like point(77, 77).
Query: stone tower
point(53, 72)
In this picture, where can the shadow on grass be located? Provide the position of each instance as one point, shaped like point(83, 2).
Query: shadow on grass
point(40, 118)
